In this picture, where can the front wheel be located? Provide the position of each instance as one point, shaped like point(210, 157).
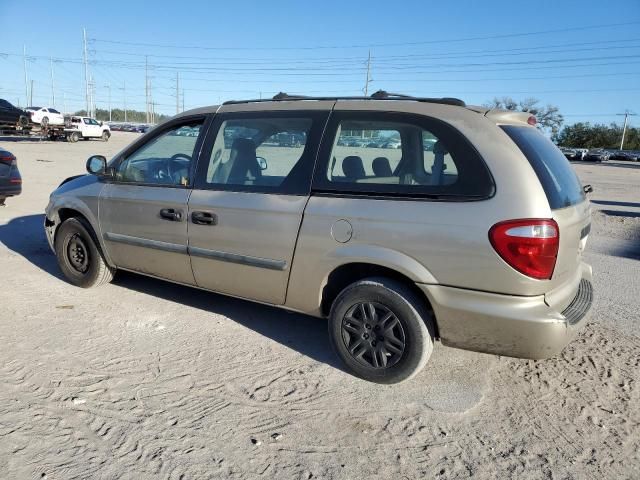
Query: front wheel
point(381, 330)
point(78, 255)
point(105, 136)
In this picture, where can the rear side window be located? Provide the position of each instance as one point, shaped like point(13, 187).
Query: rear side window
point(559, 181)
point(401, 155)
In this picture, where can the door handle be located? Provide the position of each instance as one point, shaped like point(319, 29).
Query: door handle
point(204, 218)
point(171, 214)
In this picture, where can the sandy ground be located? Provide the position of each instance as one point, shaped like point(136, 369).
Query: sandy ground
point(145, 379)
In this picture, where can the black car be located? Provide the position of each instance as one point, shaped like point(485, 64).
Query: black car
point(596, 156)
point(10, 179)
point(571, 154)
point(11, 116)
point(623, 155)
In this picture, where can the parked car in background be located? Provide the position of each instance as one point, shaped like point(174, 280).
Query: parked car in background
point(45, 116)
point(624, 155)
point(78, 128)
point(12, 117)
point(596, 155)
point(477, 242)
point(571, 153)
point(10, 179)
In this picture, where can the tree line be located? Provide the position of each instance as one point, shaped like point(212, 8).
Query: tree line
point(117, 115)
point(585, 135)
point(578, 135)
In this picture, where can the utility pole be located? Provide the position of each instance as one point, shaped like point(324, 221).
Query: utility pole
point(109, 88)
point(86, 69)
point(626, 114)
point(146, 84)
point(31, 94)
point(124, 88)
point(177, 93)
point(91, 111)
point(366, 85)
point(64, 102)
point(183, 99)
point(53, 86)
point(26, 81)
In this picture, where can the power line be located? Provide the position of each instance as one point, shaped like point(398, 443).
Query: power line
point(385, 58)
point(379, 45)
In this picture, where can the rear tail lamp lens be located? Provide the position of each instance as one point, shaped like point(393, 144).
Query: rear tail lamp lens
point(530, 246)
point(7, 159)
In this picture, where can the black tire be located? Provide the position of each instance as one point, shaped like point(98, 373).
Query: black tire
point(105, 136)
point(400, 350)
point(74, 137)
point(23, 121)
point(78, 255)
point(44, 122)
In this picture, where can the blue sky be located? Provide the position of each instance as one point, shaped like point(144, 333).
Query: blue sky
point(577, 55)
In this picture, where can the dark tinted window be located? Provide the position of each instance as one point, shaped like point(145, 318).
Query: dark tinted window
point(558, 179)
point(403, 155)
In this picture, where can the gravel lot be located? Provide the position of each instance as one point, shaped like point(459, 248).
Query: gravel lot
point(145, 379)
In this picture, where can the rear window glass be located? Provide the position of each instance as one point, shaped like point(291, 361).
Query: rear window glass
point(559, 181)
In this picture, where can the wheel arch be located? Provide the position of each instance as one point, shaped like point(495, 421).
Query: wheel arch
point(64, 213)
point(348, 273)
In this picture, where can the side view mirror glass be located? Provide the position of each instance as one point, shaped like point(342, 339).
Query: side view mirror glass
point(97, 165)
point(262, 162)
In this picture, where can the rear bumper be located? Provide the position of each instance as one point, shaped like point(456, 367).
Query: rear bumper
point(508, 325)
point(10, 190)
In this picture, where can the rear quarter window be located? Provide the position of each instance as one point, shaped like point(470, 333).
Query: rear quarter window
point(558, 179)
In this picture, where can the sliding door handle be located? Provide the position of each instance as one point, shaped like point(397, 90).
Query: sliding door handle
point(204, 218)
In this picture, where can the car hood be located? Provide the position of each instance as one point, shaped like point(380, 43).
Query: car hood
point(74, 182)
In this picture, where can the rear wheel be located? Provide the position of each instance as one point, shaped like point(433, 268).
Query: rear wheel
point(381, 330)
point(45, 121)
point(105, 136)
point(78, 255)
point(74, 137)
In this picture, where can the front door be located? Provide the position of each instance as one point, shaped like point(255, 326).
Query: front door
point(246, 208)
point(143, 212)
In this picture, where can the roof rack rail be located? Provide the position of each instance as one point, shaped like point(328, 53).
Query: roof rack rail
point(379, 95)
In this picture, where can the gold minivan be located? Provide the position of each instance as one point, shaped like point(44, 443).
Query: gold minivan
point(402, 220)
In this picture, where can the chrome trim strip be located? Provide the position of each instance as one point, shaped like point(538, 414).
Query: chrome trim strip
point(236, 258)
point(145, 242)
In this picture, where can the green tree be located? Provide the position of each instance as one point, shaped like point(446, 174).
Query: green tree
point(117, 115)
point(585, 135)
point(549, 117)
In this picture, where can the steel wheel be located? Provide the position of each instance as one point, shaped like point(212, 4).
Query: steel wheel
point(78, 254)
point(373, 335)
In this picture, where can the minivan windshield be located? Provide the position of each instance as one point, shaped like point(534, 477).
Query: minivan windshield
point(558, 179)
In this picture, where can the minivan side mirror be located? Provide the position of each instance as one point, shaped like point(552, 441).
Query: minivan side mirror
point(97, 165)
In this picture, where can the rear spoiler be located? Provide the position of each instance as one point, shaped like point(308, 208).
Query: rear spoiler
point(510, 117)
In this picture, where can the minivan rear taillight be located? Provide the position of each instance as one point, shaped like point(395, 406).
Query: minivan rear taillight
point(530, 246)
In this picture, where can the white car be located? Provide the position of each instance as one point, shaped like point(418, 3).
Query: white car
point(85, 128)
point(45, 116)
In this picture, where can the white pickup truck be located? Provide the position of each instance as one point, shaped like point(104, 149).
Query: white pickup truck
point(77, 127)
